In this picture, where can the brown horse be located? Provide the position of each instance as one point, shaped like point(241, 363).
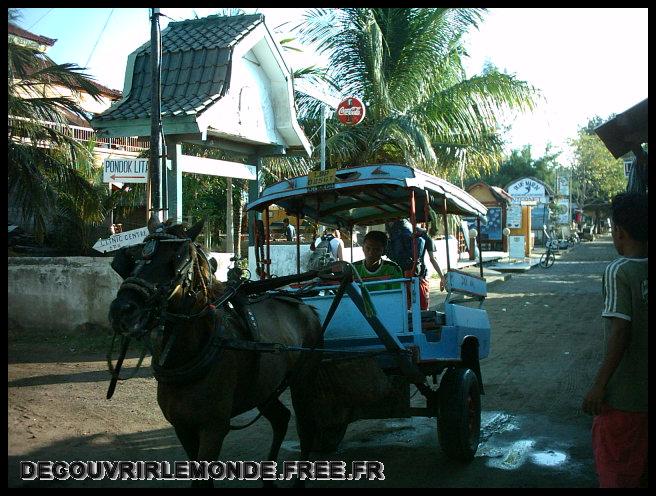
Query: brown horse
point(166, 299)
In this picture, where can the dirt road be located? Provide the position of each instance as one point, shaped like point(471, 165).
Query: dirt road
point(545, 348)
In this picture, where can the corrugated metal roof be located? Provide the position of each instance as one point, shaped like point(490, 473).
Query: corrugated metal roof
point(196, 63)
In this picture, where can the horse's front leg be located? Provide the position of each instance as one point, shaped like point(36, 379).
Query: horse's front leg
point(306, 427)
point(190, 440)
point(278, 415)
point(210, 441)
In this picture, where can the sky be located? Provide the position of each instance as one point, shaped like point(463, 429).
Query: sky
point(585, 62)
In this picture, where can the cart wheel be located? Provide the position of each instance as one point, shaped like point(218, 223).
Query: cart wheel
point(327, 441)
point(459, 422)
point(547, 259)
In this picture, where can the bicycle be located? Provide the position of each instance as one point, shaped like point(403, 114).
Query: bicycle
point(548, 258)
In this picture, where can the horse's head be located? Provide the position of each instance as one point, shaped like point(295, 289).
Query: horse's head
point(167, 273)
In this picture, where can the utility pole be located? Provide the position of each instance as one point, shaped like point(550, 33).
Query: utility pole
point(569, 223)
point(230, 240)
point(323, 136)
point(154, 169)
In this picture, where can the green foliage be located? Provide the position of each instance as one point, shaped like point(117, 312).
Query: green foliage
point(204, 197)
point(51, 181)
point(520, 164)
point(597, 175)
point(406, 64)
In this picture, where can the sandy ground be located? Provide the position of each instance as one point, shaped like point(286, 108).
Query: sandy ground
point(546, 346)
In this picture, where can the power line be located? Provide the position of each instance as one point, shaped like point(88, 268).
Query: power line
point(99, 36)
point(39, 19)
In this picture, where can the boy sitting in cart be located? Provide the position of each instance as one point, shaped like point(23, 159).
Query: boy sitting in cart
point(373, 266)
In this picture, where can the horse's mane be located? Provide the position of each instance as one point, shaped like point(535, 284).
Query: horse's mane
point(215, 288)
point(176, 229)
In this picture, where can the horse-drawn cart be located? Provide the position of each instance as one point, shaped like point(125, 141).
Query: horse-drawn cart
point(221, 349)
point(436, 351)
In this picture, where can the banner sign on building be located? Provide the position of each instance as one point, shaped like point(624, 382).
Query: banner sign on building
point(563, 211)
point(516, 246)
point(528, 189)
point(563, 186)
point(493, 228)
point(125, 170)
point(514, 216)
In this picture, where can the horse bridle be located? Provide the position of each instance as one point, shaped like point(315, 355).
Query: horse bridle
point(156, 302)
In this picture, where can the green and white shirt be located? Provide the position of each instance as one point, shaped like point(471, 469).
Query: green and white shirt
point(386, 268)
point(625, 297)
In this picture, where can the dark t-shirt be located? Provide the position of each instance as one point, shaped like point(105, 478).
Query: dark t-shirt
point(625, 297)
point(428, 245)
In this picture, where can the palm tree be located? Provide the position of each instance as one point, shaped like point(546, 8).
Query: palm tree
point(406, 64)
point(41, 155)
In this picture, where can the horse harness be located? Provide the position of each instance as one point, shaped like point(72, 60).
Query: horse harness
point(235, 304)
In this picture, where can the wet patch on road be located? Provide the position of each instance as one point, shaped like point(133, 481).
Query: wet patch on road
point(504, 451)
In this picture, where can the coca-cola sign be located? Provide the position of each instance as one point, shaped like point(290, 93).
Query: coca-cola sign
point(350, 111)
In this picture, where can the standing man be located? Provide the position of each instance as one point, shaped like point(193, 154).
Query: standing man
point(400, 251)
point(290, 232)
point(618, 397)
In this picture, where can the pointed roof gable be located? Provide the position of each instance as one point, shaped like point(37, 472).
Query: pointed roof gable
point(196, 61)
point(197, 68)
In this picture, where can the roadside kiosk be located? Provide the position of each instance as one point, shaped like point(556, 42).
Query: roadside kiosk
point(497, 201)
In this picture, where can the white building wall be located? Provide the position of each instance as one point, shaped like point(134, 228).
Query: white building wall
point(68, 292)
point(247, 110)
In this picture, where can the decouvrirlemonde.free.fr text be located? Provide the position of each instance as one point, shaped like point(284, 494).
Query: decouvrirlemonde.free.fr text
point(202, 470)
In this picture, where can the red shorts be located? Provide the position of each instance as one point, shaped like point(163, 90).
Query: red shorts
point(424, 292)
point(619, 443)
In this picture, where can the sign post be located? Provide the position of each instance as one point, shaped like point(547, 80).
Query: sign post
point(119, 240)
point(351, 111)
point(125, 170)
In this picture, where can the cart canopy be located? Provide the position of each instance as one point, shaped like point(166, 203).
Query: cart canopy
point(367, 195)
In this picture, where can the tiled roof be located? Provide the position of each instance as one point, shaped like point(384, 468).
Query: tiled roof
point(498, 193)
point(501, 192)
point(196, 62)
point(23, 33)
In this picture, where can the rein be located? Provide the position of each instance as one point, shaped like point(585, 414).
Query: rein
point(218, 342)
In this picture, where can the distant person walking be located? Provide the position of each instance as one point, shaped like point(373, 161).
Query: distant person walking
point(290, 232)
point(618, 397)
point(332, 240)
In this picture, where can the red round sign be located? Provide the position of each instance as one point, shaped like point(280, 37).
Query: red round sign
point(350, 111)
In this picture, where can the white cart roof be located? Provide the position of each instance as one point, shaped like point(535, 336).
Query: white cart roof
point(367, 195)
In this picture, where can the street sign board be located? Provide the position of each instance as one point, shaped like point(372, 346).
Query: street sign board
point(514, 216)
point(213, 167)
point(321, 179)
point(116, 241)
point(351, 111)
point(132, 170)
point(516, 247)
